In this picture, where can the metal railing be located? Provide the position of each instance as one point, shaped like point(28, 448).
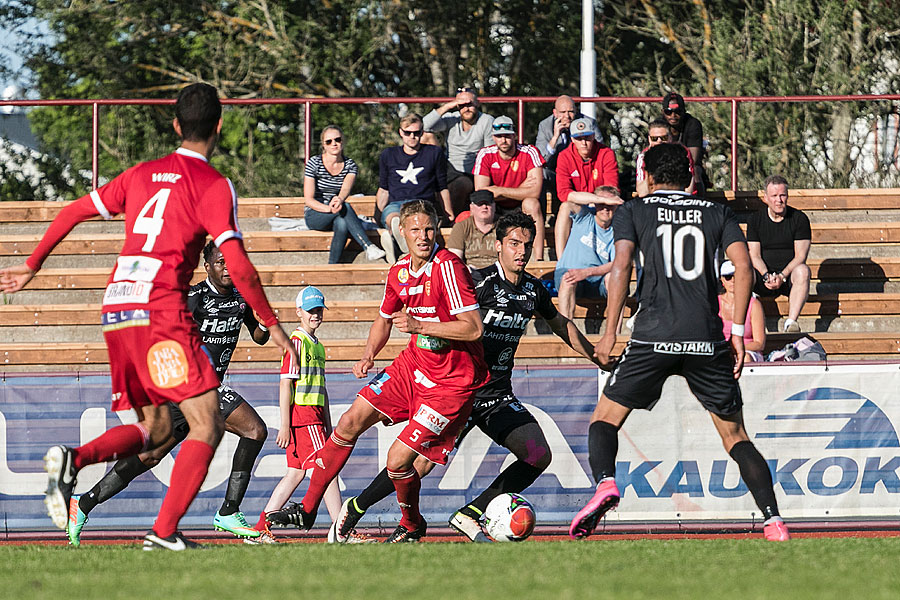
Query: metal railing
point(519, 101)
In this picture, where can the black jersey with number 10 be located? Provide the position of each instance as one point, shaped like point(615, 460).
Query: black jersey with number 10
point(676, 237)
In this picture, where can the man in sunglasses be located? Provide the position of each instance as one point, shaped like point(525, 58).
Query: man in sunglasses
point(512, 173)
point(468, 131)
point(658, 133)
point(410, 171)
point(687, 131)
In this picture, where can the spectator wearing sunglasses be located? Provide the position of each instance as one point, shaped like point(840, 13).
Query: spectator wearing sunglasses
point(468, 131)
point(327, 182)
point(582, 167)
point(754, 324)
point(410, 171)
point(657, 133)
point(512, 173)
point(687, 131)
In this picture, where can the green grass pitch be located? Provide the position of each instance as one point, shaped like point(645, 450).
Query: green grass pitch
point(620, 569)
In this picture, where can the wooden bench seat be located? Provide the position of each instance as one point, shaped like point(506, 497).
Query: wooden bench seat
point(837, 345)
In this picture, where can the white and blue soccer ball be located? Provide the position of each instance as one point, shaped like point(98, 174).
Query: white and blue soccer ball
point(509, 518)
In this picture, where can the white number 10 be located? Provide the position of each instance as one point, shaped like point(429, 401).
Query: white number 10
point(152, 226)
point(673, 247)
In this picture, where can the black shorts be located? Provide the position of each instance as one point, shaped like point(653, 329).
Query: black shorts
point(453, 174)
point(229, 400)
point(638, 378)
point(760, 289)
point(497, 418)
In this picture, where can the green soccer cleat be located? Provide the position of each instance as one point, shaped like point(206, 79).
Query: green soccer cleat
point(76, 522)
point(236, 524)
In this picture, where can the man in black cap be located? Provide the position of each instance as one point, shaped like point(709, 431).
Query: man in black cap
point(687, 131)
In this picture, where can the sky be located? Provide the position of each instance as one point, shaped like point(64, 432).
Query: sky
point(9, 55)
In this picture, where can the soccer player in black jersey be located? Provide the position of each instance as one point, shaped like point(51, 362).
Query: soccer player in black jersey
point(677, 330)
point(508, 298)
point(220, 312)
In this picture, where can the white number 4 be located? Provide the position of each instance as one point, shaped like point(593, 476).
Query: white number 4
point(152, 226)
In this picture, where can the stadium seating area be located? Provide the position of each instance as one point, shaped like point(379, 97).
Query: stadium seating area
point(853, 310)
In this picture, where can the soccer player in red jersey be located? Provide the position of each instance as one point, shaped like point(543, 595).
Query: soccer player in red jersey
point(430, 384)
point(155, 354)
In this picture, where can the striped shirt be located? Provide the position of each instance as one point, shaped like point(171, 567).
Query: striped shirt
point(328, 185)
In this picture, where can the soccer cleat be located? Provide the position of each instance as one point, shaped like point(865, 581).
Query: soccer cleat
point(292, 514)
point(467, 521)
point(605, 499)
point(356, 537)
point(373, 252)
point(346, 521)
point(774, 530)
point(403, 535)
point(76, 522)
point(265, 537)
point(58, 462)
point(175, 542)
point(236, 524)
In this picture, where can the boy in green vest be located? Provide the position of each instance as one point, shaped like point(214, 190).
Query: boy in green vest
point(303, 405)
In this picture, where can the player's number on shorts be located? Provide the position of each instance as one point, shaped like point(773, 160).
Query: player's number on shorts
point(673, 248)
point(152, 226)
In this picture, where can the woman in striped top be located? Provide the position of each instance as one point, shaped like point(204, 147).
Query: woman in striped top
point(327, 182)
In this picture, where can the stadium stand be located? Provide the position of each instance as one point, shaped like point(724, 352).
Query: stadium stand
point(854, 308)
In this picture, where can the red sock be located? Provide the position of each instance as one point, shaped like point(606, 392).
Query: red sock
point(261, 524)
point(408, 484)
point(119, 442)
point(329, 462)
point(191, 466)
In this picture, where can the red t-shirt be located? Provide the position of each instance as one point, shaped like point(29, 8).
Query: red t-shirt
point(574, 174)
point(441, 290)
point(507, 173)
point(170, 204)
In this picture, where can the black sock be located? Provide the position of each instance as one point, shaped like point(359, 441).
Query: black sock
point(380, 488)
point(515, 478)
point(241, 465)
point(603, 445)
point(118, 478)
point(756, 474)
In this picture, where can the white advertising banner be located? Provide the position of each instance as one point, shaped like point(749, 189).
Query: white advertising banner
point(829, 435)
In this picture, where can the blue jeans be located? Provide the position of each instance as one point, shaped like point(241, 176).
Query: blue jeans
point(342, 223)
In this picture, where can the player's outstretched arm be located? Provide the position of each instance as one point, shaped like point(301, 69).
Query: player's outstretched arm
point(379, 333)
point(571, 335)
point(13, 279)
point(617, 289)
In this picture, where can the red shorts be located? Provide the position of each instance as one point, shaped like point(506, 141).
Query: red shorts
point(436, 413)
point(155, 357)
point(306, 441)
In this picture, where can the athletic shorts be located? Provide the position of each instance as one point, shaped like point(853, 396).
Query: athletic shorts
point(229, 400)
point(306, 441)
point(436, 413)
point(155, 356)
point(638, 378)
point(497, 418)
point(760, 289)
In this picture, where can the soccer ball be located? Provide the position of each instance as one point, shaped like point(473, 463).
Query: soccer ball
point(509, 518)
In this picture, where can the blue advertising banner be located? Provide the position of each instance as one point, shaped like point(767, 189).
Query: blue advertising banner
point(829, 434)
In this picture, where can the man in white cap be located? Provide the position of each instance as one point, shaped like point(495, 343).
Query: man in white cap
point(512, 172)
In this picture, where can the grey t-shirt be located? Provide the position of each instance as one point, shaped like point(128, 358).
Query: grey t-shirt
point(462, 146)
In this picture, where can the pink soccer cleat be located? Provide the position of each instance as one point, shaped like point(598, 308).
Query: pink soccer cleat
point(605, 499)
point(774, 530)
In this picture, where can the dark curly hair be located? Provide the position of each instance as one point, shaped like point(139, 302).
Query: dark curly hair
point(668, 164)
point(514, 220)
point(198, 111)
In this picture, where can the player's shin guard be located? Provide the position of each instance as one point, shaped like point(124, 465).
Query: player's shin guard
point(408, 483)
point(603, 445)
point(244, 457)
point(118, 478)
point(121, 441)
point(329, 462)
point(756, 474)
point(191, 467)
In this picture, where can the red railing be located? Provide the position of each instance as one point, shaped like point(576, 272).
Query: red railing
point(519, 101)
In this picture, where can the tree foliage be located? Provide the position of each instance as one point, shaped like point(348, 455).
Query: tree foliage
point(401, 48)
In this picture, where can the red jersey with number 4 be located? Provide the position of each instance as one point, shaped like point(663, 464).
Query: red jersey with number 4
point(170, 205)
point(438, 292)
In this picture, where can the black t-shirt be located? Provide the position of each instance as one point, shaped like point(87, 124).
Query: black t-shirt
point(691, 133)
point(677, 236)
point(506, 310)
point(219, 316)
point(776, 240)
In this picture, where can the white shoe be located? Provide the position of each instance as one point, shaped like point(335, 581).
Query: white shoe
point(373, 252)
point(387, 242)
point(401, 241)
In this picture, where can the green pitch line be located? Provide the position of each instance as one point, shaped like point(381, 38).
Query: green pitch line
point(802, 568)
